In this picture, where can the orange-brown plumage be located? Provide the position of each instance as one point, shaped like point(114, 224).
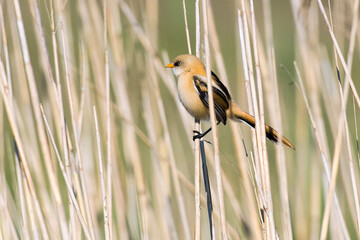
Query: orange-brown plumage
point(192, 91)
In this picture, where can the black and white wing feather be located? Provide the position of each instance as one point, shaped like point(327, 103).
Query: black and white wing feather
point(221, 95)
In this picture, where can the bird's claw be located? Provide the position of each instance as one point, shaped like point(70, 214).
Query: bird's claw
point(198, 135)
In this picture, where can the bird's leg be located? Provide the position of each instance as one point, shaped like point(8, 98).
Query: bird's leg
point(201, 135)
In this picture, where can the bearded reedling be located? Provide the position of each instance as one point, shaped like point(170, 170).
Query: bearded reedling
point(193, 94)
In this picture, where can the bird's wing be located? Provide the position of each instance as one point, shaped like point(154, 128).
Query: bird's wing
point(221, 102)
point(220, 85)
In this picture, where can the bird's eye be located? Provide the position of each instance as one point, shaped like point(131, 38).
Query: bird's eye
point(178, 63)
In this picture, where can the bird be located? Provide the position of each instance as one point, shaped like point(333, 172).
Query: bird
point(193, 94)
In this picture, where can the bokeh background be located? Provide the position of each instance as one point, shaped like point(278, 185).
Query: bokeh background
point(95, 144)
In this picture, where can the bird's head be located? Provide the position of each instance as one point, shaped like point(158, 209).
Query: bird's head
point(186, 63)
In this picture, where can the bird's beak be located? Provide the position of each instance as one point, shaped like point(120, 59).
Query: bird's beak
point(170, 65)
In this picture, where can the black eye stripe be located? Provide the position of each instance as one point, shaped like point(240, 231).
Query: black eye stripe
point(178, 63)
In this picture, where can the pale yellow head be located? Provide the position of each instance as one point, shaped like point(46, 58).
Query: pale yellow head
point(186, 63)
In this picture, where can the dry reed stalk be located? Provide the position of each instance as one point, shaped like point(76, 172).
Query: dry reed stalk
point(159, 68)
point(33, 228)
point(318, 124)
point(251, 90)
point(6, 50)
point(66, 178)
point(126, 10)
point(316, 132)
point(233, 233)
point(108, 220)
point(281, 164)
point(73, 122)
point(185, 182)
point(65, 152)
point(116, 48)
point(101, 177)
point(236, 205)
point(46, 68)
point(120, 228)
point(179, 195)
point(241, 26)
point(119, 194)
point(197, 179)
point(160, 118)
point(354, 27)
point(70, 167)
point(274, 108)
point(166, 216)
point(261, 198)
point(7, 203)
point(242, 23)
point(24, 222)
point(182, 178)
point(151, 27)
point(334, 171)
point(189, 185)
point(186, 27)
point(83, 87)
point(166, 76)
point(260, 110)
point(9, 231)
point(260, 102)
point(59, 204)
point(348, 78)
point(24, 233)
point(131, 147)
point(120, 210)
point(23, 161)
point(197, 29)
point(349, 152)
point(3, 199)
point(35, 104)
point(271, 89)
point(248, 75)
point(191, 188)
point(197, 127)
point(132, 152)
point(223, 227)
point(347, 137)
point(240, 151)
point(341, 123)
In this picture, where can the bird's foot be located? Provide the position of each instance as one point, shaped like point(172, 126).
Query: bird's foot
point(198, 135)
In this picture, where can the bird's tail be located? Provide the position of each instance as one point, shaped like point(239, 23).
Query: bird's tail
point(236, 114)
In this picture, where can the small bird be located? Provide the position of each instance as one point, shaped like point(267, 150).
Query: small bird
point(193, 94)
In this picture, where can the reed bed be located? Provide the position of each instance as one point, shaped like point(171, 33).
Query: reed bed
point(94, 143)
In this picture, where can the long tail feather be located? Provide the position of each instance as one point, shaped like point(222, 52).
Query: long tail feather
point(237, 114)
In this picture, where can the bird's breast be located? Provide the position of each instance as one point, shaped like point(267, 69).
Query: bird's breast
point(190, 98)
